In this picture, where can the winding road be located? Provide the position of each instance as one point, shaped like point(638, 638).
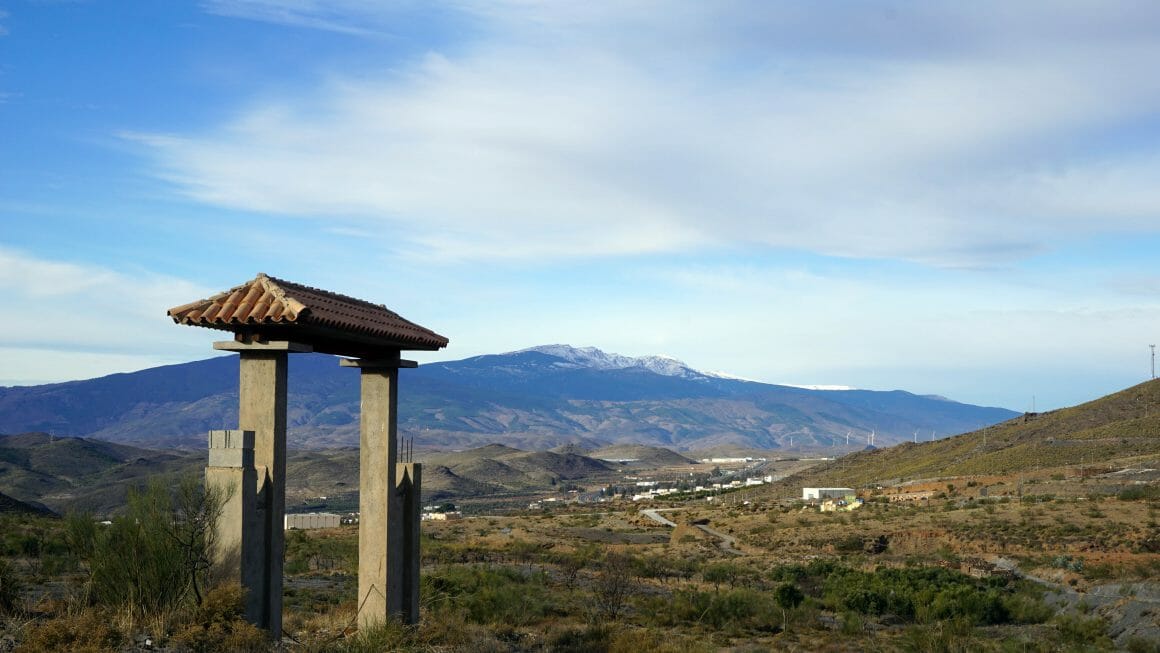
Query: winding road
point(728, 543)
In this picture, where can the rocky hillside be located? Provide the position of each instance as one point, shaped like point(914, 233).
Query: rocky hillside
point(1116, 432)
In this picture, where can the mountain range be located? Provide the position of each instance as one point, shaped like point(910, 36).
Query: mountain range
point(535, 398)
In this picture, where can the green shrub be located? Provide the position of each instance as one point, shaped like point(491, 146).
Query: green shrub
point(489, 595)
point(390, 635)
point(1137, 644)
point(970, 604)
point(218, 624)
point(90, 631)
point(588, 639)
point(1083, 631)
point(1138, 492)
point(10, 587)
point(155, 556)
point(1022, 609)
point(731, 610)
point(941, 637)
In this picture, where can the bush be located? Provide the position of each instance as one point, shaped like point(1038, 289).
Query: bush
point(218, 624)
point(387, 636)
point(1026, 610)
point(733, 609)
point(970, 604)
point(486, 595)
point(1083, 631)
point(582, 640)
point(1137, 644)
point(1138, 492)
point(10, 587)
point(89, 631)
point(155, 556)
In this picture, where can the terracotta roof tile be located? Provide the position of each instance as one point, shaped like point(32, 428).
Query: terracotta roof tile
point(267, 308)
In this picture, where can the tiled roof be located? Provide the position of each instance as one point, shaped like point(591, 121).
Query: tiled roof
point(267, 308)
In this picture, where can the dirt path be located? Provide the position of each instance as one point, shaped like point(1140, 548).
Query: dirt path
point(728, 542)
point(654, 514)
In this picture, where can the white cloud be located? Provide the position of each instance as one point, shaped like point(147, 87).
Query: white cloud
point(353, 17)
point(643, 127)
point(71, 320)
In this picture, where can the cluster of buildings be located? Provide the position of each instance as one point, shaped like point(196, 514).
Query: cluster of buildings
point(733, 461)
point(654, 491)
point(832, 499)
point(450, 515)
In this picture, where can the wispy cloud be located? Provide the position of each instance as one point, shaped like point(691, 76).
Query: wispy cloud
point(100, 320)
point(930, 133)
point(354, 17)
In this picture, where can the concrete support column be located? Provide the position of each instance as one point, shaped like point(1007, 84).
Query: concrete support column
point(409, 479)
point(384, 588)
point(238, 534)
point(262, 409)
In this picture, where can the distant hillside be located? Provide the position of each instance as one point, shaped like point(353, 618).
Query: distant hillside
point(83, 474)
point(509, 469)
point(1120, 430)
point(10, 505)
point(640, 454)
point(533, 399)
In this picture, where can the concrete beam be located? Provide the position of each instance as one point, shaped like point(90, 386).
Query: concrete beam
point(273, 345)
point(377, 363)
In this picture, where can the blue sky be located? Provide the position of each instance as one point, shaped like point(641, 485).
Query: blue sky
point(951, 198)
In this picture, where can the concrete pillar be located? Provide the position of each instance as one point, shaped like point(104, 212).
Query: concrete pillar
point(238, 536)
point(262, 409)
point(409, 478)
point(386, 584)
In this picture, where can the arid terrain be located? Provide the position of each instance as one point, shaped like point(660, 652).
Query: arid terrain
point(1051, 543)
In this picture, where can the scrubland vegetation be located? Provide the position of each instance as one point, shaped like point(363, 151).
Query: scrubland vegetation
point(883, 578)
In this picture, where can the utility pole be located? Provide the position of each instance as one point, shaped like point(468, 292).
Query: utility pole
point(1153, 360)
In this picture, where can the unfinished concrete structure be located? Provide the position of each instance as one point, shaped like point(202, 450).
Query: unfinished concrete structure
point(270, 319)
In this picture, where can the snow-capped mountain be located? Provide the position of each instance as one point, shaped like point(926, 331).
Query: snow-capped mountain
point(593, 358)
point(539, 397)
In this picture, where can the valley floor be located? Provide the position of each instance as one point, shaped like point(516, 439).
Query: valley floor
point(1055, 570)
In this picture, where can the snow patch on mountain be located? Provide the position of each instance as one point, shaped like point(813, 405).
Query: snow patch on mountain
point(591, 357)
point(731, 377)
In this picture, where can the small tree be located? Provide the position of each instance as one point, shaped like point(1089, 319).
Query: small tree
point(196, 510)
point(613, 585)
point(787, 596)
point(155, 555)
point(720, 572)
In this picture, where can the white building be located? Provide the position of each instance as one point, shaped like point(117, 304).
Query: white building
point(311, 520)
point(818, 493)
point(453, 515)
